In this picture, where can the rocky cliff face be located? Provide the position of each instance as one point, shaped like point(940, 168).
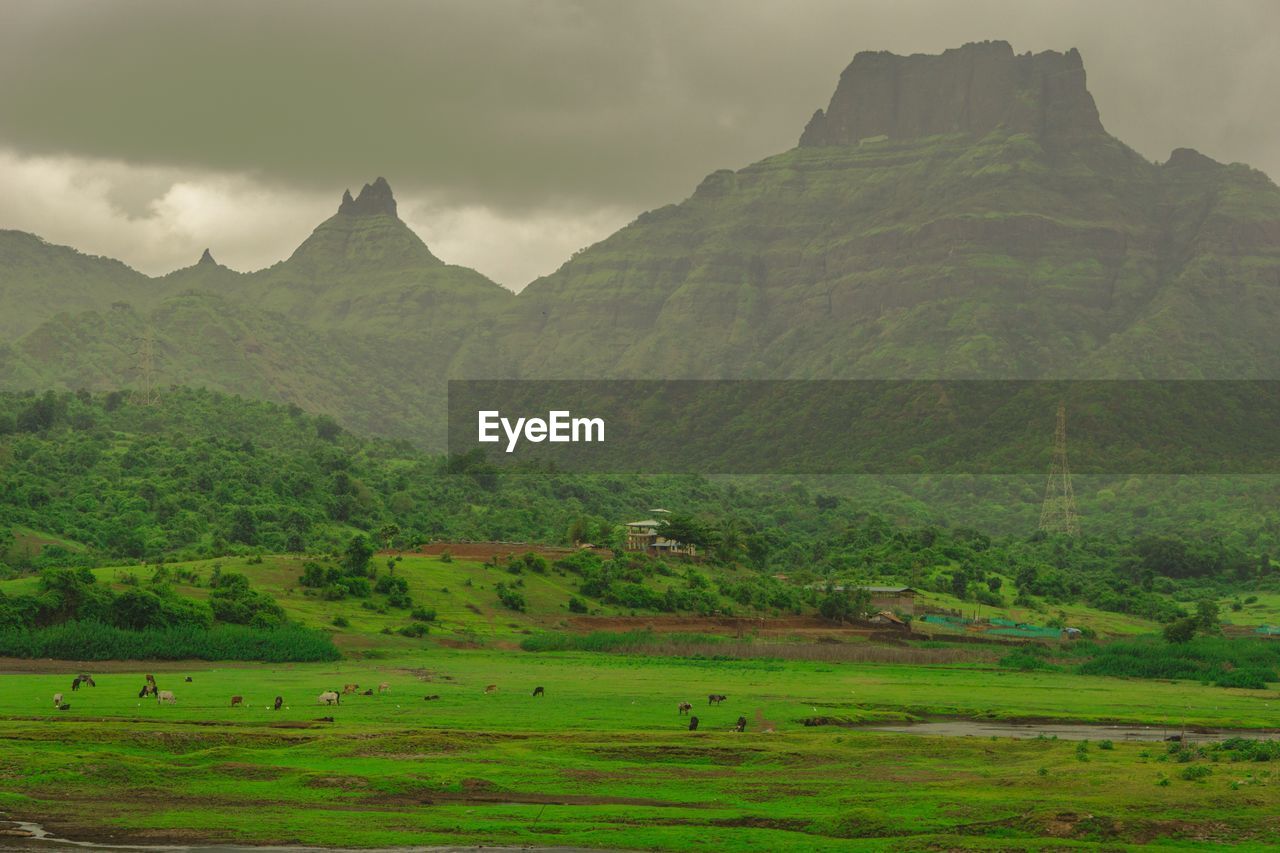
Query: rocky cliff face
point(973, 89)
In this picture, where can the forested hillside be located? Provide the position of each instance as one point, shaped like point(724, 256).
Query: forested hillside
point(91, 479)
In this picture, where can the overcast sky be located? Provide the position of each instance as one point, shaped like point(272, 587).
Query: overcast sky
point(517, 131)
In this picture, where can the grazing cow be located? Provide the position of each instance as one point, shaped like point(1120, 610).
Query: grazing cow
point(384, 687)
point(538, 691)
point(279, 702)
point(166, 697)
point(350, 688)
point(237, 700)
point(368, 692)
point(684, 708)
point(65, 706)
point(492, 688)
point(151, 679)
point(75, 683)
point(741, 725)
point(57, 699)
point(187, 679)
point(693, 724)
point(716, 698)
point(431, 698)
point(329, 697)
point(147, 690)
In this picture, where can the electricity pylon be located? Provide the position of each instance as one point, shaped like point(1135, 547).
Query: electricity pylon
point(146, 354)
point(1058, 514)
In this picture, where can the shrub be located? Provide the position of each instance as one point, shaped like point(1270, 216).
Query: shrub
point(423, 614)
point(97, 641)
point(511, 598)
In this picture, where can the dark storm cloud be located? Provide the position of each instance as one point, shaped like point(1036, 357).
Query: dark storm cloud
point(555, 107)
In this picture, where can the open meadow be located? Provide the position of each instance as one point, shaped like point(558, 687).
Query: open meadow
point(604, 759)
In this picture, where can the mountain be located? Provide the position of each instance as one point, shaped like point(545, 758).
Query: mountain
point(38, 280)
point(361, 322)
point(961, 215)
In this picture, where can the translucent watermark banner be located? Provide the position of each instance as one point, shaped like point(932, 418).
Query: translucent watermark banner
point(870, 426)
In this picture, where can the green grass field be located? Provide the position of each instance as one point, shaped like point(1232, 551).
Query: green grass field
point(604, 760)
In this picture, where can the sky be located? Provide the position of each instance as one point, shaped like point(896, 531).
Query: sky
point(515, 132)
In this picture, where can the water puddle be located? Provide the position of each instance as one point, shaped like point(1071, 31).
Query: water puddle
point(1067, 731)
point(28, 836)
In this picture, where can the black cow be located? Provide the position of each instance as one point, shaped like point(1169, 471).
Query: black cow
point(187, 679)
point(716, 698)
point(279, 702)
point(693, 724)
point(538, 691)
point(742, 725)
point(65, 706)
point(431, 698)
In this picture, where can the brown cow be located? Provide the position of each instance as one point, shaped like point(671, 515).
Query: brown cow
point(716, 698)
point(237, 700)
point(492, 688)
point(384, 687)
point(350, 688)
point(151, 679)
point(684, 708)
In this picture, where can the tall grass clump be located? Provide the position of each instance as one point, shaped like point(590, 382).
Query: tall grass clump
point(96, 641)
point(1215, 660)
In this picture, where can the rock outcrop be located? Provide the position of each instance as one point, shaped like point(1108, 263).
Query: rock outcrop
point(375, 199)
point(973, 89)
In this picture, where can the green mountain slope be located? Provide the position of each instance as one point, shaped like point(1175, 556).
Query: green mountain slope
point(964, 216)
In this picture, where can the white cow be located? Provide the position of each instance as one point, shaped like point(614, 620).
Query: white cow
point(57, 699)
point(329, 697)
point(166, 697)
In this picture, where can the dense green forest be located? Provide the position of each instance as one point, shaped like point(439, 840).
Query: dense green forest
point(90, 479)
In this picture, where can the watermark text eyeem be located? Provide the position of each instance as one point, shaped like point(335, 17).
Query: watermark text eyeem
point(558, 426)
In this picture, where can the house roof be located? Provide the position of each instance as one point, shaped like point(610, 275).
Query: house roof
point(888, 589)
point(649, 523)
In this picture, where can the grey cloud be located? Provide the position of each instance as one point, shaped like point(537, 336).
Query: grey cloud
point(521, 106)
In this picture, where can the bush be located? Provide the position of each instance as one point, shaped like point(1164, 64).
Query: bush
point(423, 614)
point(417, 629)
point(341, 622)
point(96, 641)
point(577, 605)
point(511, 598)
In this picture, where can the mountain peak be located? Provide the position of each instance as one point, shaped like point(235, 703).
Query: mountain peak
point(206, 259)
point(374, 199)
point(971, 89)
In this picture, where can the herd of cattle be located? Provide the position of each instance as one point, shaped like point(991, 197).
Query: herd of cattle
point(333, 697)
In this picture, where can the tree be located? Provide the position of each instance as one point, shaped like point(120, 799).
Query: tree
point(1180, 630)
point(1207, 615)
point(355, 560)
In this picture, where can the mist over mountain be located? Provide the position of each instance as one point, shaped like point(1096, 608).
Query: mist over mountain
point(959, 215)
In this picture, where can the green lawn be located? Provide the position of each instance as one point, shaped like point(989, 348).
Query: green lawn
point(605, 760)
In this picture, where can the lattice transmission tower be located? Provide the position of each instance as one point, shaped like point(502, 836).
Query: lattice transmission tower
point(147, 395)
point(1058, 513)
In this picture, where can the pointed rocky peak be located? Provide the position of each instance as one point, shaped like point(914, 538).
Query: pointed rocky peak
point(977, 88)
point(375, 199)
point(207, 260)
